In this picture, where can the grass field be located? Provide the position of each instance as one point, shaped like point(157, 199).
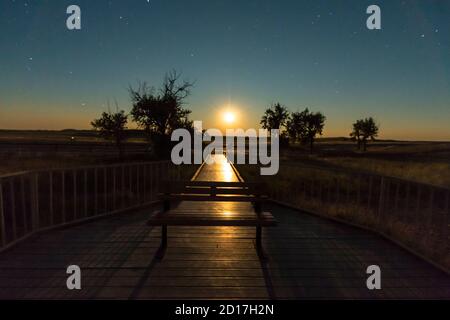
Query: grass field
point(426, 162)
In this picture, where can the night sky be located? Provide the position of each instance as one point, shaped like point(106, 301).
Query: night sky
point(242, 55)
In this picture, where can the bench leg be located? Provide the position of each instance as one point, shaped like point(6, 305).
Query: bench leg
point(166, 205)
point(163, 247)
point(258, 238)
point(259, 248)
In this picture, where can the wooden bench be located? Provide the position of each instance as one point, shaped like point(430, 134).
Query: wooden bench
point(177, 191)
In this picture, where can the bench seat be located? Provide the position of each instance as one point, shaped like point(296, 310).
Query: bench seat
point(265, 219)
point(207, 193)
point(196, 197)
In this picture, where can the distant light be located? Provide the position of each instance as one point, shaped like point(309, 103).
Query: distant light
point(229, 117)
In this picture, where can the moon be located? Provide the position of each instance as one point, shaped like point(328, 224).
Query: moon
point(229, 117)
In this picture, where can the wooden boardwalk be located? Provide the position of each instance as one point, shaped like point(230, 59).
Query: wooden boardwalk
point(309, 258)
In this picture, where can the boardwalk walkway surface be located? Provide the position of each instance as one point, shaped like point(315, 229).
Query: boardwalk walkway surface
point(309, 257)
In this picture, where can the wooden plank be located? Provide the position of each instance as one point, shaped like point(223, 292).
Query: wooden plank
point(182, 197)
point(211, 223)
point(214, 184)
point(189, 220)
point(184, 216)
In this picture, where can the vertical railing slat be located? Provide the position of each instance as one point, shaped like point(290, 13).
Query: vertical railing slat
point(50, 199)
point(95, 191)
point(105, 197)
point(144, 175)
point(123, 196)
point(381, 201)
point(63, 196)
point(75, 194)
point(151, 182)
point(85, 191)
point(24, 207)
point(12, 199)
point(2, 218)
point(114, 188)
point(34, 194)
point(138, 193)
point(419, 195)
point(130, 184)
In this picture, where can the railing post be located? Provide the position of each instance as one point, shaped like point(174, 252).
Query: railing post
point(130, 183)
point(397, 193)
point(95, 191)
point(24, 207)
point(358, 195)
point(63, 198)
point(381, 200)
point(430, 215)
point(12, 199)
point(2, 218)
point(419, 195)
point(320, 189)
point(347, 192)
point(138, 193)
point(337, 198)
point(328, 185)
point(75, 195)
point(157, 176)
point(369, 194)
point(151, 182)
point(144, 193)
point(34, 202)
point(406, 203)
point(446, 219)
point(105, 190)
point(85, 194)
point(123, 197)
point(50, 197)
point(114, 188)
point(168, 171)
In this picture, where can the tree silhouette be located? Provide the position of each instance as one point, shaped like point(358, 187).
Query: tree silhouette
point(112, 126)
point(275, 117)
point(159, 113)
point(305, 126)
point(356, 134)
point(363, 130)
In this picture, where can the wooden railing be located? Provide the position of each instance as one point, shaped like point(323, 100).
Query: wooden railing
point(414, 214)
point(38, 200)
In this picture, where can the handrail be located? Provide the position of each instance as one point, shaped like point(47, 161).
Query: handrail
point(36, 200)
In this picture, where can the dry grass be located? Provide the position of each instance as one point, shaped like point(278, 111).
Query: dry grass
point(436, 173)
point(314, 190)
point(12, 165)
